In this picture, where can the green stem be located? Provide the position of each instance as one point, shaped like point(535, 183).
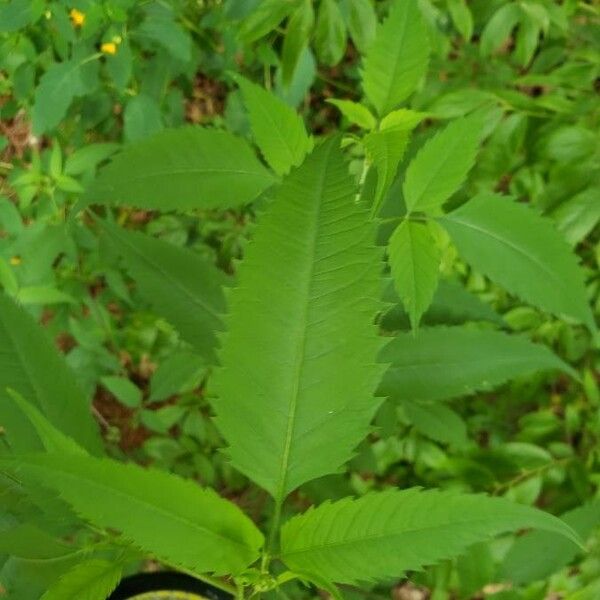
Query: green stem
point(274, 530)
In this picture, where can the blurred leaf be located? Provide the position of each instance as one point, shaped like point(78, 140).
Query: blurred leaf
point(124, 390)
point(330, 33)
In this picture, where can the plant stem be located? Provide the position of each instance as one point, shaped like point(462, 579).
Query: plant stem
point(269, 547)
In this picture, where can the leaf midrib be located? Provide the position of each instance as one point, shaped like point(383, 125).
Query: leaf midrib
point(301, 344)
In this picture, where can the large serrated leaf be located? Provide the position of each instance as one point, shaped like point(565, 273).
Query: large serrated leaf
point(383, 534)
point(153, 509)
point(180, 285)
point(294, 400)
point(31, 366)
point(522, 252)
point(397, 58)
point(182, 169)
point(447, 362)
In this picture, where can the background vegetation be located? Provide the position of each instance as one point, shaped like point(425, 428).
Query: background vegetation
point(80, 78)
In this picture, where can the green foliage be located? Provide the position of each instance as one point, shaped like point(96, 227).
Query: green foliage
point(382, 535)
point(31, 366)
point(441, 166)
point(182, 169)
point(415, 265)
point(397, 58)
point(220, 538)
point(278, 130)
point(464, 360)
point(496, 236)
point(179, 284)
point(90, 580)
point(315, 357)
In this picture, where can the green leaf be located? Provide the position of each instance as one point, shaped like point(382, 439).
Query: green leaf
point(539, 554)
point(384, 534)
point(17, 14)
point(295, 42)
point(499, 27)
point(277, 128)
point(362, 23)
point(415, 263)
point(142, 118)
point(452, 304)
point(180, 371)
point(464, 361)
point(53, 440)
point(58, 86)
point(153, 509)
point(92, 579)
point(355, 112)
point(25, 540)
point(576, 217)
point(179, 284)
point(330, 33)
point(264, 18)
point(441, 165)
point(124, 390)
point(182, 169)
point(88, 157)
point(437, 421)
point(306, 382)
point(160, 25)
point(461, 17)
point(397, 59)
point(31, 365)
point(522, 252)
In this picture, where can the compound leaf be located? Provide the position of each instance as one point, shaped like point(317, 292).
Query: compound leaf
point(153, 509)
point(309, 283)
point(521, 251)
point(182, 169)
point(464, 361)
point(383, 534)
point(397, 58)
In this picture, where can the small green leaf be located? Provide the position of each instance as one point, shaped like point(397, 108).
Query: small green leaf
point(90, 580)
point(499, 27)
point(141, 118)
point(461, 17)
point(355, 112)
point(441, 165)
point(330, 33)
point(397, 59)
point(267, 15)
point(125, 391)
point(415, 263)
point(277, 128)
point(362, 23)
point(299, 31)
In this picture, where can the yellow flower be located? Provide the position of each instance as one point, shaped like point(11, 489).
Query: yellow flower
point(77, 17)
point(109, 48)
point(15, 261)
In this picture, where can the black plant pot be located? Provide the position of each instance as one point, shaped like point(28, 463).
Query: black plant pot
point(166, 586)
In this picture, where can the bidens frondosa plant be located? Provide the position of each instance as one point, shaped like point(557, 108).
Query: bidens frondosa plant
point(300, 362)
